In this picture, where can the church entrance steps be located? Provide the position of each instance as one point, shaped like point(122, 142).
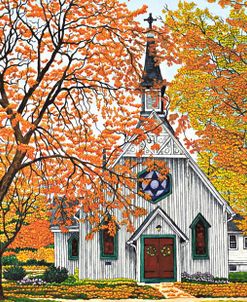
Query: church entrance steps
point(170, 291)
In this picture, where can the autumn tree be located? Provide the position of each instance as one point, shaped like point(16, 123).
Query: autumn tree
point(69, 73)
point(37, 234)
point(209, 90)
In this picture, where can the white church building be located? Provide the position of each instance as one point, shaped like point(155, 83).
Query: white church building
point(185, 229)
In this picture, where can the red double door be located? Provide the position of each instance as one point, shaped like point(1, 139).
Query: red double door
point(159, 258)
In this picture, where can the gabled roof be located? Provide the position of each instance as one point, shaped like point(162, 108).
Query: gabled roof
point(232, 225)
point(150, 217)
point(185, 154)
point(56, 222)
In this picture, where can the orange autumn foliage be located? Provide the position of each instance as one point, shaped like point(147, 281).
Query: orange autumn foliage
point(66, 90)
point(35, 235)
point(69, 82)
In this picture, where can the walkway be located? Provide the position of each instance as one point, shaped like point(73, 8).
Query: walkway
point(169, 291)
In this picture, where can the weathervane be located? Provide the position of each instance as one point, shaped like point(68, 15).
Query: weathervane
point(150, 20)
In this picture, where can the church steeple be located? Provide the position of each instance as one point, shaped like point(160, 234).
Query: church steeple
point(152, 89)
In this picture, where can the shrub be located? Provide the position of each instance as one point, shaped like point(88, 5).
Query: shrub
point(14, 273)
point(238, 277)
point(9, 260)
point(31, 281)
point(76, 274)
point(36, 262)
point(70, 280)
point(202, 278)
point(55, 274)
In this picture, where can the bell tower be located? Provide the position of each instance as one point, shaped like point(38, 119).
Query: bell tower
point(151, 85)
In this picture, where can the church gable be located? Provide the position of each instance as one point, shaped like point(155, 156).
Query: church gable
point(169, 147)
point(156, 221)
point(168, 144)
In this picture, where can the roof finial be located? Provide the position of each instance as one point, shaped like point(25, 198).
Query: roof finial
point(150, 20)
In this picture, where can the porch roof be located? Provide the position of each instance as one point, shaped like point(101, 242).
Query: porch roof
point(157, 211)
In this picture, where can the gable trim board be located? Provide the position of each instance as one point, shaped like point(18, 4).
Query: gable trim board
point(148, 220)
point(184, 154)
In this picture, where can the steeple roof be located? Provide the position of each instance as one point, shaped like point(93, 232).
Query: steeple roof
point(152, 71)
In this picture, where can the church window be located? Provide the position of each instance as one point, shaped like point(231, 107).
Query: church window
point(200, 228)
point(73, 247)
point(152, 100)
point(232, 242)
point(245, 242)
point(108, 245)
point(232, 268)
point(154, 185)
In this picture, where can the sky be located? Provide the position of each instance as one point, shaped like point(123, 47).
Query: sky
point(156, 6)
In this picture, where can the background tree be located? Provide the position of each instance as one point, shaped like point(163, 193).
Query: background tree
point(35, 235)
point(209, 91)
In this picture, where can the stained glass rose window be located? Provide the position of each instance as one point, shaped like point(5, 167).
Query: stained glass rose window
point(153, 184)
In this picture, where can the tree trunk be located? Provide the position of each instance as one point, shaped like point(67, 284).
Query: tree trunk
point(1, 279)
point(8, 177)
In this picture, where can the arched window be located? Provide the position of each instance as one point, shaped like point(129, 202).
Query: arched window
point(73, 247)
point(200, 228)
point(108, 245)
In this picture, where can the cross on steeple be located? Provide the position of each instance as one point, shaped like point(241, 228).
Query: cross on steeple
point(150, 20)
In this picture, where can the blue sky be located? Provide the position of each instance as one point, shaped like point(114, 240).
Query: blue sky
point(155, 7)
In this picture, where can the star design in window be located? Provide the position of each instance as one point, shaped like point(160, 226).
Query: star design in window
point(153, 184)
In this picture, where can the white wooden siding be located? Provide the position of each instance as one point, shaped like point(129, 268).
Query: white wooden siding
point(61, 252)
point(189, 197)
point(92, 267)
point(238, 256)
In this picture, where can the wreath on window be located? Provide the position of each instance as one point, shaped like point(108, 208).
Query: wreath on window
point(151, 251)
point(165, 251)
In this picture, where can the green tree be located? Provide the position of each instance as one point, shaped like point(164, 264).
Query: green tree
point(209, 90)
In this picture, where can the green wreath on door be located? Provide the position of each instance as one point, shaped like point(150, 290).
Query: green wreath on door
point(151, 251)
point(165, 251)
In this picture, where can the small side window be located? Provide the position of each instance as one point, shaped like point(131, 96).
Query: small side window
point(200, 237)
point(232, 268)
point(245, 242)
point(73, 247)
point(232, 242)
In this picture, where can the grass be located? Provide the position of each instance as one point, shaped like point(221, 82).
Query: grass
point(229, 290)
point(13, 299)
point(93, 290)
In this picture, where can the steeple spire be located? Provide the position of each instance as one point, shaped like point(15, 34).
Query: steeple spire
point(152, 92)
point(151, 69)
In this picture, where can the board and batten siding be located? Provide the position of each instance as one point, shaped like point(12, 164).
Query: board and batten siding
point(92, 267)
point(189, 197)
point(61, 252)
